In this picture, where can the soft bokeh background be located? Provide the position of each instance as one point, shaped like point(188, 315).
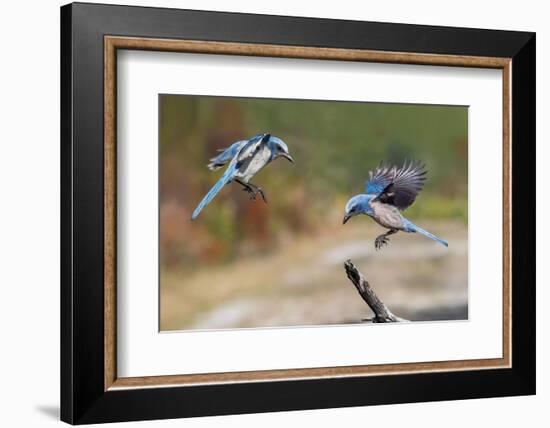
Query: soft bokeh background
point(246, 264)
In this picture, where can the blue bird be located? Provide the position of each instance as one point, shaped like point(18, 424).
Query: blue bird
point(246, 158)
point(389, 191)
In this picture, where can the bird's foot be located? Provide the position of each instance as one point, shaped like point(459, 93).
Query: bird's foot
point(253, 192)
point(380, 242)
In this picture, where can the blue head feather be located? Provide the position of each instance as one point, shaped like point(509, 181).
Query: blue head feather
point(359, 204)
point(278, 148)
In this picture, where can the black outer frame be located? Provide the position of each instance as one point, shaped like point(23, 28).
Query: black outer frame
point(83, 399)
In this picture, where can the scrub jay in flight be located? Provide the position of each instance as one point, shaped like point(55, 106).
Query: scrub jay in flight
point(246, 158)
point(390, 190)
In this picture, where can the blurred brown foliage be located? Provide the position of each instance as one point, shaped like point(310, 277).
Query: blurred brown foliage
point(334, 145)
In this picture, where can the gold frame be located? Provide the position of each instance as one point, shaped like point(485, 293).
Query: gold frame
point(112, 43)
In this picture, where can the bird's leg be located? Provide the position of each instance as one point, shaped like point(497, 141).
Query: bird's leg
point(247, 188)
point(252, 190)
point(382, 240)
point(257, 190)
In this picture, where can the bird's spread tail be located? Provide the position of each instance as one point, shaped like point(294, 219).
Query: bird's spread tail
point(225, 178)
point(414, 228)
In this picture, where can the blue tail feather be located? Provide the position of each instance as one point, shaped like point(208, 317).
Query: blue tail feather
point(225, 178)
point(411, 227)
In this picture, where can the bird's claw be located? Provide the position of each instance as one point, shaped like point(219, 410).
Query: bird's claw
point(252, 193)
point(261, 192)
point(380, 241)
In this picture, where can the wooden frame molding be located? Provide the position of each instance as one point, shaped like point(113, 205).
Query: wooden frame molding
point(113, 43)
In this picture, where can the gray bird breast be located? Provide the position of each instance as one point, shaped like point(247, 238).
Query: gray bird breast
point(253, 165)
point(386, 215)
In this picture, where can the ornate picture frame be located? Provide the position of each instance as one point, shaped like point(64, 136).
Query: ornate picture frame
point(91, 389)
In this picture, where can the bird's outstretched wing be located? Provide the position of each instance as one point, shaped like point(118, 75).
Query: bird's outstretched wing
point(226, 155)
point(397, 186)
point(379, 179)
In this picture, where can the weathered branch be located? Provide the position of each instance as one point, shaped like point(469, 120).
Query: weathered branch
point(381, 312)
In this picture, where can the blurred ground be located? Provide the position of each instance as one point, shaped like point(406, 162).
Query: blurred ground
point(303, 282)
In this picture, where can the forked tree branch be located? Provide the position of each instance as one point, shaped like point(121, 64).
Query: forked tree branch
point(381, 311)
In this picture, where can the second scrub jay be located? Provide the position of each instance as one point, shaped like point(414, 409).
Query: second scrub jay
point(390, 190)
point(245, 158)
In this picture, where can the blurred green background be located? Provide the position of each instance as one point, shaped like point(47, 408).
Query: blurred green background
point(243, 263)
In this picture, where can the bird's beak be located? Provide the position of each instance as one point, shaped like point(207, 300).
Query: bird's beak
point(287, 156)
point(346, 218)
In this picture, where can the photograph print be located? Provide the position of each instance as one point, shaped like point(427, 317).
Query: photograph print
point(288, 212)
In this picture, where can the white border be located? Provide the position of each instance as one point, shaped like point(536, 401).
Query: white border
point(143, 351)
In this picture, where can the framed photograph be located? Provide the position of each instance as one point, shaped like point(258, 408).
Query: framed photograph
point(266, 213)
